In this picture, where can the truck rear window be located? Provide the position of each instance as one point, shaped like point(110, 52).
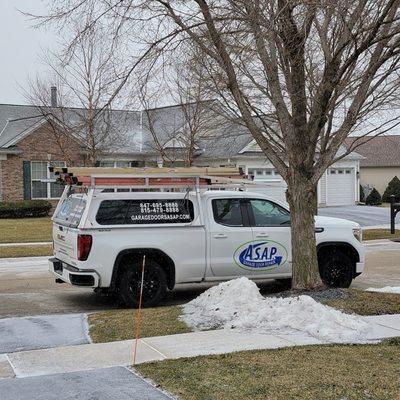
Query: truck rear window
point(70, 212)
point(166, 211)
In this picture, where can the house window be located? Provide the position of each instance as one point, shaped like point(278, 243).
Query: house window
point(264, 173)
point(41, 186)
point(119, 164)
point(122, 164)
point(107, 164)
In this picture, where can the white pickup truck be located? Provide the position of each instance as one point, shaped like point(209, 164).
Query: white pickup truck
point(100, 239)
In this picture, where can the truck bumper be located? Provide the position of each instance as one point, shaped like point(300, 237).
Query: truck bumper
point(72, 275)
point(359, 268)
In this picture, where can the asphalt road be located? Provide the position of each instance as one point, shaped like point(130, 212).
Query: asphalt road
point(364, 215)
point(27, 289)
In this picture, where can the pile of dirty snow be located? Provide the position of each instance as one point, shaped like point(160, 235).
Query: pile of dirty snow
point(238, 304)
point(386, 289)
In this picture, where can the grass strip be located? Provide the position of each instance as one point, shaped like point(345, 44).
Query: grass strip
point(26, 251)
point(109, 326)
point(375, 234)
point(25, 230)
point(368, 303)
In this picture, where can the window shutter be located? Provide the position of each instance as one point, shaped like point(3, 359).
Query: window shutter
point(27, 180)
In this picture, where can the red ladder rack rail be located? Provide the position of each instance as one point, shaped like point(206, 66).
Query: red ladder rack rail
point(147, 177)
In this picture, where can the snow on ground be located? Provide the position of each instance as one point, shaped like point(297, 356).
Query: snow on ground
point(386, 289)
point(238, 304)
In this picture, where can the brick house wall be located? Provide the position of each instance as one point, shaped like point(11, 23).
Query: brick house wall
point(36, 147)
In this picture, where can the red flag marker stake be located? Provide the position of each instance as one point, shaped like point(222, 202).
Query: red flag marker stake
point(139, 313)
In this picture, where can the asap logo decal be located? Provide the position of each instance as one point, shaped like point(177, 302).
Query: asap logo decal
point(260, 255)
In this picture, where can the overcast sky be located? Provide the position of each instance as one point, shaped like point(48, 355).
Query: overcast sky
point(20, 48)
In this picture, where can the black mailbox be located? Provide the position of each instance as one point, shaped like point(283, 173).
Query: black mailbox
point(394, 209)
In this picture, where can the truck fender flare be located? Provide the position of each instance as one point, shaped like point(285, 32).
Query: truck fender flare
point(157, 255)
point(345, 247)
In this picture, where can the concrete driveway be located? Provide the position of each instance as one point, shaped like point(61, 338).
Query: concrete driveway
point(101, 384)
point(42, 332)
point(27, 289)
point(366, 216)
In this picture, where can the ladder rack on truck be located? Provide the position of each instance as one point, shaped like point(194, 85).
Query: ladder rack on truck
point(153, 178)
point(97, 180)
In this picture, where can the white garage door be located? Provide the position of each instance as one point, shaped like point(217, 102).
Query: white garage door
point(340, 186)
point(273, 184)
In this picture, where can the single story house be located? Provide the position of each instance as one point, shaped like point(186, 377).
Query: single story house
point(29, 143)
point(380, 162)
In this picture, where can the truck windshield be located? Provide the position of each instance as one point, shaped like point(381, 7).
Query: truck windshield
point(70, 212)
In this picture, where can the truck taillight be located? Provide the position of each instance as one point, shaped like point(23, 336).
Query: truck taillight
point(84, 246)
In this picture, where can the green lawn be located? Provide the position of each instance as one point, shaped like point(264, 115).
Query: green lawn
point(298, 373)
point(368, 303)
point(26, 251)
point(25, 230)
point(373, 234)
point(108, 326)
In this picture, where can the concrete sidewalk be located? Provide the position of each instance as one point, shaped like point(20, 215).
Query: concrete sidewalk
point(104, 355)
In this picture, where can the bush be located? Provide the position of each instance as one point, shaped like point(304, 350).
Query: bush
point(392, 189)
point(374, 198)
point(362, 195)
point(25, 209)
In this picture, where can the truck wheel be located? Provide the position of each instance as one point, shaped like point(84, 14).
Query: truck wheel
point(336, 269)
point(154, 284)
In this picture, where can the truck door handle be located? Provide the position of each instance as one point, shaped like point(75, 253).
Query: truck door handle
point(220, 236)
point(262, 234)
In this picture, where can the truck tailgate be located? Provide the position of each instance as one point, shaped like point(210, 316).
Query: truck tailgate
point(65, 243)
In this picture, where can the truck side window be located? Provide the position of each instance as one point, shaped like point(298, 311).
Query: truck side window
point(71, 211)
point(151, 211)
point(227, 212)
point(112, 212)
point(266, 213)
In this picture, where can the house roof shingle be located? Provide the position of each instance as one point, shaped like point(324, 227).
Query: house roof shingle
point(380, 151)
point(124, 126)
point(130, 131)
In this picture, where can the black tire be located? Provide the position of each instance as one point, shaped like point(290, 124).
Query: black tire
point(336, 269)
point(285, 282)
point(154, 287)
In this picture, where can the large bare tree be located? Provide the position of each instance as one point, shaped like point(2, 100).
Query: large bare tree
point(178, 132)
point(317, 68)
point(85, 75)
